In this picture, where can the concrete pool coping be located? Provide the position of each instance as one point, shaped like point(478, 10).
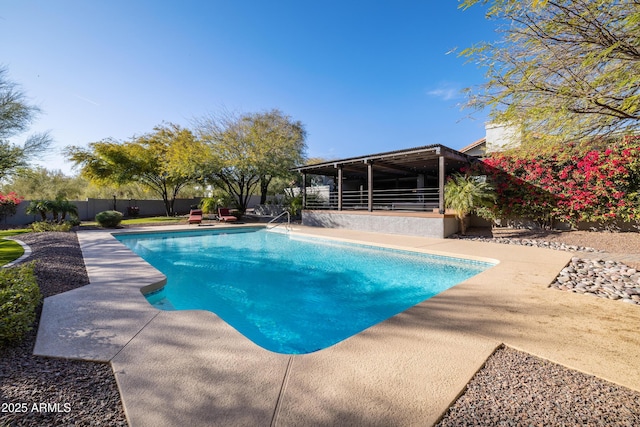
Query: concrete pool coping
point(190, 367)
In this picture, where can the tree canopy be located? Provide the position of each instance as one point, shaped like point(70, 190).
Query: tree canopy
point(41, 183)
point(564, 69)
point(251, 149)
point(16, 116)
point(159, 160)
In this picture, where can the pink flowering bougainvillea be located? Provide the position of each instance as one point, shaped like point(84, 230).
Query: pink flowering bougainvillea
point(8, 204)
point(598, 185)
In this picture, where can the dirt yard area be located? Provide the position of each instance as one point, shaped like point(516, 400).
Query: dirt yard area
point(623, 242)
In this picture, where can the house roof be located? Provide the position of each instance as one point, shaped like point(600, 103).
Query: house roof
point(473, 145)
point(406, 162)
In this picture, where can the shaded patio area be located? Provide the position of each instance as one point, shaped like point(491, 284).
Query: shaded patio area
point(404, 180)
point(398, 192)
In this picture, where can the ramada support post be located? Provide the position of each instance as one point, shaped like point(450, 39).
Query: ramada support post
point(339, 187)
point(304, 190)
point(369, 185)
point(441, 174)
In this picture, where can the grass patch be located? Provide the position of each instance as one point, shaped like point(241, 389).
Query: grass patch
point(9, 251)
point(155, 220)
point(14, 232)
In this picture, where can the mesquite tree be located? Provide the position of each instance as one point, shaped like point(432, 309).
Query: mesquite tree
point(252, 149)
point(564, 70)
point(161, 161)
point(16, 116)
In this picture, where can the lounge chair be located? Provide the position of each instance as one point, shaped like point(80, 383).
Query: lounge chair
point(224, 215)
point(195, 216)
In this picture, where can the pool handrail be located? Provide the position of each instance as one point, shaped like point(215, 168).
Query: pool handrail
point(288, 223)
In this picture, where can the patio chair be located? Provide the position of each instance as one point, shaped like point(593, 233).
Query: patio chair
point(224, 215)
point(195, 216)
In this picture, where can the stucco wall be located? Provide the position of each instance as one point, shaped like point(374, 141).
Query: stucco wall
point(438, 226)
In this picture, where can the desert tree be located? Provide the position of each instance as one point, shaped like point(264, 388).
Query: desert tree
point(562, 70)
point(40, 183)
point(160, 161)
point(16, 117)
point(252, 149)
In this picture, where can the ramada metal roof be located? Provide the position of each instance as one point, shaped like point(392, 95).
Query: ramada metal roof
point(406, 162)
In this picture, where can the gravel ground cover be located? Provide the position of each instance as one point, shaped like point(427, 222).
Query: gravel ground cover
point(39, 391)
point(628, 243)
point(517, 389)
point(512, 389)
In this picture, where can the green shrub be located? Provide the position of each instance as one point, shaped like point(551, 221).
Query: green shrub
point(42, 226)
point(19, 298)
point(109, 219)
point(209, 205)
point(73, 222)
point(294, 204)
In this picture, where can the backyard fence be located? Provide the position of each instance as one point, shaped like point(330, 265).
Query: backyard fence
point(87, 209)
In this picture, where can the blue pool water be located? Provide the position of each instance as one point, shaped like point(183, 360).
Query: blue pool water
point(292, 294)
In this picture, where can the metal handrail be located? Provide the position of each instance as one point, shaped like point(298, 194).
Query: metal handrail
point(408, 199)
point(288, 223)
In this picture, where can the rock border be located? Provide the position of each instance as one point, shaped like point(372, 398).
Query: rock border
point(595, 277)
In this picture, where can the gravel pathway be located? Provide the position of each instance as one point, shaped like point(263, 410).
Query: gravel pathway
point(512, 389)
point(38, 391)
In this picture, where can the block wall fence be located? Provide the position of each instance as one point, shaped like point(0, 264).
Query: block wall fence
point(87, 209)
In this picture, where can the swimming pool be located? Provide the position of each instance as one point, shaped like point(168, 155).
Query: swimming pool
point(288, 293)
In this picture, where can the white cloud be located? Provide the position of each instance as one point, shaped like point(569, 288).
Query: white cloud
point(86, 100)
point(445, 91)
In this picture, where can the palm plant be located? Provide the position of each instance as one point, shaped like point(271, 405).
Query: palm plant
point(465, 194)
point(39, 207)
point(59, 208)
point(63, 207)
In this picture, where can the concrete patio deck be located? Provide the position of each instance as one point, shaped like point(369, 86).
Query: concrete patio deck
point(191, 368)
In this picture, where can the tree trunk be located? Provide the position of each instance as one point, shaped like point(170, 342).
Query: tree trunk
point(168, 206)
point(264, 187)
point(463, 225)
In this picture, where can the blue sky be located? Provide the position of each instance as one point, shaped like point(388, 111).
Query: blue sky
point(363, 76)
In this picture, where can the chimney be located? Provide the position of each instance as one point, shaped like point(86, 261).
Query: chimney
point(500, 136)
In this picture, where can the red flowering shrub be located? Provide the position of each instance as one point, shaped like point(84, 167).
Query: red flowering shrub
point(598, 185)
point(8, 204)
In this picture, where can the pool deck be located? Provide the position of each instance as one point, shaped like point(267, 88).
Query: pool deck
point(191, 368)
